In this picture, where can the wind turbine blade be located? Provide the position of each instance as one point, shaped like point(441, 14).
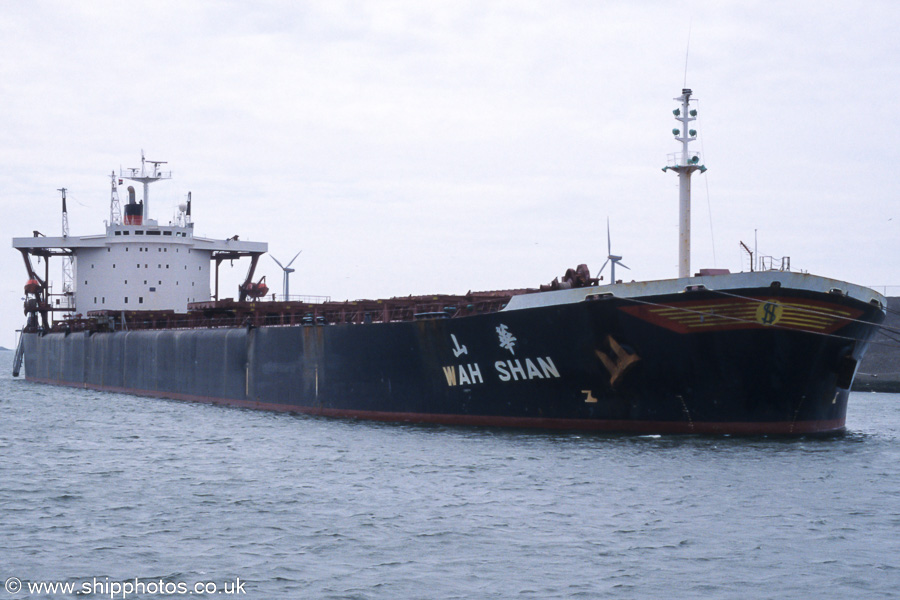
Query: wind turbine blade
point(277, 261)
point(295, 258)
point(603, 267)
point(608, 239)
point(623, 265)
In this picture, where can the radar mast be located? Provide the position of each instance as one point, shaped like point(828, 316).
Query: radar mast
point(146, 176)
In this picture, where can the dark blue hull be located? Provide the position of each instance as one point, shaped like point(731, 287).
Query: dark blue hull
point(764, 361)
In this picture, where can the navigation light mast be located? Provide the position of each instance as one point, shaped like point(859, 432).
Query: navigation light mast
point(684, 163)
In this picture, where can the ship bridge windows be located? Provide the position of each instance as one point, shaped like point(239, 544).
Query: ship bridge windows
point(138, 232)
point(117, 233)
point(167, 233)
point(153, 233)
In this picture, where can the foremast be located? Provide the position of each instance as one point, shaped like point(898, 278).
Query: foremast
point(684, 163)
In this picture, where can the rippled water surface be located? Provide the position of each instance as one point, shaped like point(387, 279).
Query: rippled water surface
point(98, 487)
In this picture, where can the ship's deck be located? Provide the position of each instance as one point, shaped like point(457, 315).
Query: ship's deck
point(230, 313)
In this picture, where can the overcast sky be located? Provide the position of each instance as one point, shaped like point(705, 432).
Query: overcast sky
point(419, 147)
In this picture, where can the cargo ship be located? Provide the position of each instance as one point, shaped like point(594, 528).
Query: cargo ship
point(769, 351)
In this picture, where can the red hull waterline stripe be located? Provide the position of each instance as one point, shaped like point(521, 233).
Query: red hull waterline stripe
point(736, 428)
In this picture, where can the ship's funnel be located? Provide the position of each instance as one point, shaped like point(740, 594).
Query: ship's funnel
point(134, 212)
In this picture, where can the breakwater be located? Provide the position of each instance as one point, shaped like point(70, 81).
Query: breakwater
point(879, 370)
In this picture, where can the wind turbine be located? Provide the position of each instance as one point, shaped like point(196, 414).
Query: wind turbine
point(287, 273)
point(611, 258)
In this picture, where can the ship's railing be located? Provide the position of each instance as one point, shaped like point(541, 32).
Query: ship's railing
point(62, 302)
point(132, 172)
point(301, 299)
point(771, 263)
point(268, 314)
point(676, 159)
point(887, 290)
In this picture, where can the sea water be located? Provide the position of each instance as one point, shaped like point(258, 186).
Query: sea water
point(119, 496)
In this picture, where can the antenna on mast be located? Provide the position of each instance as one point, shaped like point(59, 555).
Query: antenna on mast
point(684, 163)
point(687, 51)
point(65, 213)
point(115, 209)
point(68, 274)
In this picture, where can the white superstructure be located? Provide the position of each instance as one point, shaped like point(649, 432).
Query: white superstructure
point(137, 264)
